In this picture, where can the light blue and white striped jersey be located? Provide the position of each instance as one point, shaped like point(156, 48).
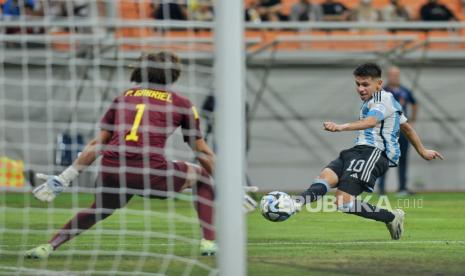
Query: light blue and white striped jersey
point(385, 134)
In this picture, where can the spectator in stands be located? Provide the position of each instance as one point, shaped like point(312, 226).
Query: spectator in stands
point(12, 9)
point(53, 8)
point(365, 12)
point(406, 99)
point(270, 10)
point(305, 10)
point(78, 8)
point(251, 12)
point(434, 11)
point(335, 11)
point(395, 12)
point(201, 10)
point(170, 11)
point(16, 8)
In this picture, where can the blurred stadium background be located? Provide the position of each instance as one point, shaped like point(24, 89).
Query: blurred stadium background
point(60, 70)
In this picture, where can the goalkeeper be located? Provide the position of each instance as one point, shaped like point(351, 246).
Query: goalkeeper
point(133, 134)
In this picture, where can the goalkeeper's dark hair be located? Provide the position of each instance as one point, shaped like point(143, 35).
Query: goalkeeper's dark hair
point(161, 68)
point(368, 70)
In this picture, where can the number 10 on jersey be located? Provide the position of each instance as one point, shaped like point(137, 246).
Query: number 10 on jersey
point(358, 165)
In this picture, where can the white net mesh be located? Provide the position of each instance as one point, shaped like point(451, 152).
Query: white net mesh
point(63, 63)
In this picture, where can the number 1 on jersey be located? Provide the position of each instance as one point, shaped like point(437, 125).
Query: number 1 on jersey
point(132, 136)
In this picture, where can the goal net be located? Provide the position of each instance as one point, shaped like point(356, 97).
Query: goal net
point(63, 63)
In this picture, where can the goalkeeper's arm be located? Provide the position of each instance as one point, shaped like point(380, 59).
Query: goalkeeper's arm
point(55, 184)
point(204, 155)
point(90, 152)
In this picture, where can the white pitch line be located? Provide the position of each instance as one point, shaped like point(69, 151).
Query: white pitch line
point(32, 271)
point(273, 243)
point(357, 242)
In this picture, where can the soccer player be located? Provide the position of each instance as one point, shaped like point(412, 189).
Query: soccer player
point(133, 134)
point(376, 149)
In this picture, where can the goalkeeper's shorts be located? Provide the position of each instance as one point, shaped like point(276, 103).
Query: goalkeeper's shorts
point(160, 180)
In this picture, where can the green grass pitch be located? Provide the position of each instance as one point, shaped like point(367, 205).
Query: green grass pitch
point(306, 244)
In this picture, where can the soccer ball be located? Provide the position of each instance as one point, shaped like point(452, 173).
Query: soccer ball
point(277, 206)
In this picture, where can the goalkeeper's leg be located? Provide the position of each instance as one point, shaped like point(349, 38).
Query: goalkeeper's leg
point(202, 185)
point(204, 196)
point(104, 205)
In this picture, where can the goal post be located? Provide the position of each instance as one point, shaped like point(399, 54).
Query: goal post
point(229, 85)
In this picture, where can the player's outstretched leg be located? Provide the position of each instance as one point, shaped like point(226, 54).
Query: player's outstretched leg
point(394, 220)
point(320, 186)
point(318, 189)
point(81, 222)
point(85, 219)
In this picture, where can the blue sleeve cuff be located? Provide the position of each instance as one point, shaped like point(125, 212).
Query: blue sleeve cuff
point(377, 114)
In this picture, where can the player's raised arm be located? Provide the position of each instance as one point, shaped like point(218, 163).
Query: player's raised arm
point(366, 123)
point(54, 184)
point(415, 140)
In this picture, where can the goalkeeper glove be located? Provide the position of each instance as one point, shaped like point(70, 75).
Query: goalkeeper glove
point(53, 184)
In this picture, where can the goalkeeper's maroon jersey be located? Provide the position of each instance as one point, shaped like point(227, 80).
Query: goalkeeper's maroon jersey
point(142, 119)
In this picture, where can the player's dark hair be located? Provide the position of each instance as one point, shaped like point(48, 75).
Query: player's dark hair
point(159, 68)
point(368, 70)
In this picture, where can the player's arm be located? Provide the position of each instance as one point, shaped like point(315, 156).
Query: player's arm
point(366, 123)
point(414, 139)
point(376, 114)
point(91, 151)
point(204, 155)
point(56, 184)
point(193, 137)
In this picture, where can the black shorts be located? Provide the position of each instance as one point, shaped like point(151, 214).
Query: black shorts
point(358, 168)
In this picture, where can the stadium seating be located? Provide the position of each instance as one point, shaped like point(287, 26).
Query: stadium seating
point(133, 10)
point(412, 5)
